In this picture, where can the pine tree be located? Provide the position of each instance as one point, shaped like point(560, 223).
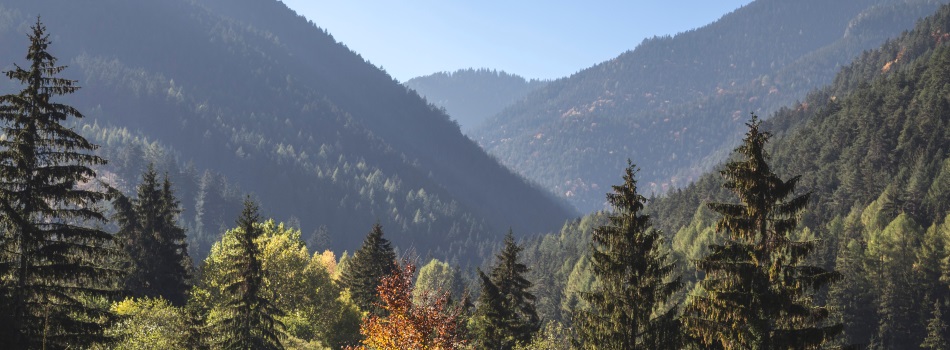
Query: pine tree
point(249, 317)
point(54, 257)
point(507, 313)
point(489, 316)
point(636, 279)
point(366, 269)
point(174, 268)
point(153, 240)
point(936, 331)
point(757, 293)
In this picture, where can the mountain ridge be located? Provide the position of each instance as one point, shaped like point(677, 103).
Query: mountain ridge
point(253, 91)
point(470, 96)
point(674, 102)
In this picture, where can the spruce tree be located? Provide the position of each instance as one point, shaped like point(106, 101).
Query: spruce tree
point(154, 241)
point(936, 331)
point(636, 279)
point(366, 269)
point(507, 315)
point(174, 264)
point(248, 320)
point(489, 315)
point(758, 292)
point(54, 258)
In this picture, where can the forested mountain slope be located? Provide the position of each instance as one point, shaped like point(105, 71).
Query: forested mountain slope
point(246, 96)
point(676, 103)
point(872, 148)
point(470, 96)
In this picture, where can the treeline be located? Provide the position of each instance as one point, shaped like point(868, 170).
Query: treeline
point(67, 283)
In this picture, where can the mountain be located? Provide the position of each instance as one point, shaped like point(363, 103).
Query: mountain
point(470, 96)
point(233, 96)
point(873, 149)
point(675, 104)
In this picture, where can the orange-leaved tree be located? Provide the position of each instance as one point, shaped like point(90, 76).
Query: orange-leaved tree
point(433, 325)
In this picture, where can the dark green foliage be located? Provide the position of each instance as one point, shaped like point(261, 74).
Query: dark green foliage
point(155, 244)
point(758, 291)
point(505, 315)
point(554, 258)
point(196, 334)
point(936, 331)
point(852, 296)
point(636, 276)
point(366, 269)
point(54, 260)
point(249, 317)
point(489, 316)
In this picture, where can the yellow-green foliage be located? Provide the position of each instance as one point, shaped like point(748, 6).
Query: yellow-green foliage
point(435, 279)
point(581, 280)
point(553, 336)
point(295, 281)
point(692, 242)
point(897, 240)
point(148, 324)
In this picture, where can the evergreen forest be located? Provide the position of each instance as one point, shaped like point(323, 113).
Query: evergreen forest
point(331, 225)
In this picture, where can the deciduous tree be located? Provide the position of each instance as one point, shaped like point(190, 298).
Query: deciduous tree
point(432, 325)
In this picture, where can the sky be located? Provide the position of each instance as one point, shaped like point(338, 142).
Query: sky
point(537, 39)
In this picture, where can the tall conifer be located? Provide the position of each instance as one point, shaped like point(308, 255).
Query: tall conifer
point(936, 331)
point(370, 264)
point(636, 279)
point(758, 293)
point(249, 317)
point(155, 242)
point(175, 264)
point(54, 258)
point(506, 315)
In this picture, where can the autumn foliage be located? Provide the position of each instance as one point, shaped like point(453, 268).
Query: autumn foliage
point(432, 325)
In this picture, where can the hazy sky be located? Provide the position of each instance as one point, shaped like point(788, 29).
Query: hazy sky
point(534, 38)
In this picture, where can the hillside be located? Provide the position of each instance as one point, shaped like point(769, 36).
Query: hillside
point(246, 96)
point(675, 104)
point(871, 147)
point(470, 96)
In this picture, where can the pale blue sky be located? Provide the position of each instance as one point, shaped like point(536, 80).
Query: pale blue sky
point(532, 38)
